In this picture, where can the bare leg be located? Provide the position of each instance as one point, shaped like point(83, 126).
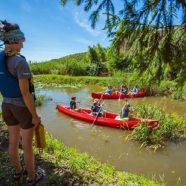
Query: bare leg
point(14, 138)
point(27, 137)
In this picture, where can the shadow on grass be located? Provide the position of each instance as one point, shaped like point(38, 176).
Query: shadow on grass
point(54, 173)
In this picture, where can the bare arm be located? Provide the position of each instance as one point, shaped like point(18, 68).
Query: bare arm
point(28, 99)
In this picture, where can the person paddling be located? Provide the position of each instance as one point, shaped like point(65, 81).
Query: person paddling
point(135, 89)
point(123, 89)
point(109, 90)
point(96, 108)
point(73, 102)
point(124, 114)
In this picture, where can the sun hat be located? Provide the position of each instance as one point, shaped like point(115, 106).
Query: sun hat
point(10, 36)
point(13, 36)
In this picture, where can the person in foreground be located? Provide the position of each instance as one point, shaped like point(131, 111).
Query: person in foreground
point(18, 108)
point(96, 108)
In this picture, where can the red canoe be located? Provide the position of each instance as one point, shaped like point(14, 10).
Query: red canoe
point(108, 119)
point(117, 95)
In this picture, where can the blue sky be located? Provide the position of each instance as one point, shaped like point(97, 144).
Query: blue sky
point(52, 31)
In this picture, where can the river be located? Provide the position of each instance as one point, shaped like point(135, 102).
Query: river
point(109, 145)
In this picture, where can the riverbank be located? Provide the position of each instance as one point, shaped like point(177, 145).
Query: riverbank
point(168, 88)
point(66, 166)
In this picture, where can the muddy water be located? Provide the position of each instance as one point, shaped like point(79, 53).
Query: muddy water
point(110, 145)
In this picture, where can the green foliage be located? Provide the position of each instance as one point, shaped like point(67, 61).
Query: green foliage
point(179, 93)
point(87, 168)
point(74, 64)
point(40, 100)
point(116, 61)
point(171, 127)
point(50, 80)
point(92, 70)
point(169, 85)
point(100, 53)
point(96, 57)
point(141, 134)
point(92, 56)
point(73, 68)
point(158, 61)
point(149, 111)
point(147, 34)
point(91, 63)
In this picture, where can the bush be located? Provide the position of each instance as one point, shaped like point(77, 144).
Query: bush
point(171, 127)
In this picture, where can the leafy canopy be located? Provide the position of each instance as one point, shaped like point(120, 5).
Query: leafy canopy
point(154, 30)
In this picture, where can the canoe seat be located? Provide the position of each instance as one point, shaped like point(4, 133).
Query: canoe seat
point(119, 118)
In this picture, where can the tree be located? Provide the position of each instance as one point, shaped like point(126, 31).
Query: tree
point(115, 60)
point(154, 50)
point(100, 52)
point(161, 13)
point(93, 59)
point(154, 30)
point(92, 56)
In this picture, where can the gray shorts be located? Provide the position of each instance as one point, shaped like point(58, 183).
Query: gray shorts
point(16, 115)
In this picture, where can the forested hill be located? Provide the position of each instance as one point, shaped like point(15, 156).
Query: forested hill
point(54, 65)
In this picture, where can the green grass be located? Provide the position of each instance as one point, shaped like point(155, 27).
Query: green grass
point(63, 81)
point(65, 165)
point(171, 127)
point(89, 169)
point(165, 88)
point(79, 81)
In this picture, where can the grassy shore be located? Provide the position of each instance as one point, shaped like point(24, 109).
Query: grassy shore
point(66, 166)
point(164, 88)
point(72, 81)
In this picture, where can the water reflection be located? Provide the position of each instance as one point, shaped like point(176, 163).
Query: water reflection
point(110, 145)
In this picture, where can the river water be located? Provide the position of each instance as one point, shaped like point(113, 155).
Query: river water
point(109, 145)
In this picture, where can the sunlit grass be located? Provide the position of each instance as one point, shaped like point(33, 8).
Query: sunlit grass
point(91, 171)
point(59, 161)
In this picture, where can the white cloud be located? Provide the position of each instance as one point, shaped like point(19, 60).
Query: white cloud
point(84, 23)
